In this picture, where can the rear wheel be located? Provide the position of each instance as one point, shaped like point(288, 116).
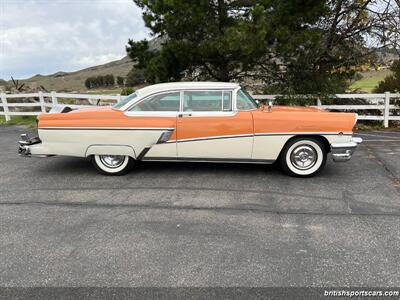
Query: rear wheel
point(113, 164)
point(303, 157)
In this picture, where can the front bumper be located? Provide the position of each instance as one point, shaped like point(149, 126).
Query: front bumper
point(343, 151)
point(25, 143)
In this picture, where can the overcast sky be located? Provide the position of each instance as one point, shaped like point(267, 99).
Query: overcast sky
point(47, 36)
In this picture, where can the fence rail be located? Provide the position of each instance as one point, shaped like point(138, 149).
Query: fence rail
point(381, 102)
point(45, 101)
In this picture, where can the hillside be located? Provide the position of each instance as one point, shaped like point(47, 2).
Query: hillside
point(74, 81)
point(369, 80)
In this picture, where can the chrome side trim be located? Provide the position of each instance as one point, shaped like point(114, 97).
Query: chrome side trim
point(303, 133)
point(159, 114)
point(210, 160)
point(143, 153)
point(211, 138)
point(106, 128)
point(253, 135)
point(164, 137)
point(199, 114)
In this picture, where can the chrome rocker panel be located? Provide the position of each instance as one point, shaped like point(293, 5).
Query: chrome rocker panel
point(342, 152)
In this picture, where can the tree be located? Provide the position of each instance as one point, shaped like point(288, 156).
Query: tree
point(391, 83)
point(100, 81)
point(291, 46)
point(88, 83)
point(135, 77)
point(120, 80)
point(108, 80)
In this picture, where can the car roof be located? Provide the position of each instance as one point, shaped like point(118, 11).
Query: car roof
point(160, 87)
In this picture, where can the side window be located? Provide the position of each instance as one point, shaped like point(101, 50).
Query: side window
point(227, 101)
point(161, 102)
point(207, 101)
point(244, 102)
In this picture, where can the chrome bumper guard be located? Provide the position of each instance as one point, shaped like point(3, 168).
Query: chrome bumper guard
point(343, 151)
point(25, 142)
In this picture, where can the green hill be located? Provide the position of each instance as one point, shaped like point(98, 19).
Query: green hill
point(369, 80)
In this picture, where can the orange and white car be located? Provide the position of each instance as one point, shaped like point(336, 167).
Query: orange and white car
point(195, 121)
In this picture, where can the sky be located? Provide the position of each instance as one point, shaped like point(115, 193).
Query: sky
point(47, 36)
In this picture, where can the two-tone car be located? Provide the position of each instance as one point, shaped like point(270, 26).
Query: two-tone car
point(197, 122)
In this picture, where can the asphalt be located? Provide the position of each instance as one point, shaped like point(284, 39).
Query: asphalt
point(193, 224)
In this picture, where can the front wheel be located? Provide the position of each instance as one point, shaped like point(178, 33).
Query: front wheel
point(112, 164)
point(303, 157)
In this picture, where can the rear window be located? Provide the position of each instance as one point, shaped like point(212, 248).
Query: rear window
point(124, 101)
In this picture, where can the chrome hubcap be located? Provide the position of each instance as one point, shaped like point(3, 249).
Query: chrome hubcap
point(303, 157)
point(112, 161)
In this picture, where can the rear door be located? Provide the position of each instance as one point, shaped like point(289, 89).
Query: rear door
point(208, 128)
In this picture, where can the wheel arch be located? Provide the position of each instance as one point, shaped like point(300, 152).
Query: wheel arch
point(110, 150)
point(321, 138)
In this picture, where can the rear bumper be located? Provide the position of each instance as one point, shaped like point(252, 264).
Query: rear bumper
point(343, 151)
point(26, 143)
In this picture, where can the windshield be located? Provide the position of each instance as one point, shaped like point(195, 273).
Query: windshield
point(124, 101)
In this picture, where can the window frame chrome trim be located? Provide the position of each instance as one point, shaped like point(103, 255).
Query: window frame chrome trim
point(136, 101)
point(152, 95)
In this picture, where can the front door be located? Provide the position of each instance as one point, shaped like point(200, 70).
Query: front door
point(209, 129)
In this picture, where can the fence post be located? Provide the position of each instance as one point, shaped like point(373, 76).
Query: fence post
point(54, 100)
point(42, 104)
point(386, 111)
point(5, 107)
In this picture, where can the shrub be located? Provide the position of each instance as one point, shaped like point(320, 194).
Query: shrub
point(127, 91)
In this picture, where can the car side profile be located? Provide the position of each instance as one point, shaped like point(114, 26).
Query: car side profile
point(195, 121)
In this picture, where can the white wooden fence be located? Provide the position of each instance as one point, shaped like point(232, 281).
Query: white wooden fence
point(382, 102)
point(45, 101)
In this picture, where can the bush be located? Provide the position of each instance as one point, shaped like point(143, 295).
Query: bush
point(127, 91)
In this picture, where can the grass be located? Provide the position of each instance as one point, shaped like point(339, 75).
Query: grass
point(29, 121)
point(110, 91)
point(367, 125)
point(369, 81)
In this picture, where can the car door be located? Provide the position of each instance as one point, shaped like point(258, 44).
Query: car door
point(209, 128)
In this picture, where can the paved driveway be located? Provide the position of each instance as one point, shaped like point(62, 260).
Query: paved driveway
point(182, 224)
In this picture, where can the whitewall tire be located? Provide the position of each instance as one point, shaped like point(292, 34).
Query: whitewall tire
point(303, 157)
point(112, 164)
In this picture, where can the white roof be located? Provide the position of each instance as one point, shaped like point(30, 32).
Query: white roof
point(185, 85)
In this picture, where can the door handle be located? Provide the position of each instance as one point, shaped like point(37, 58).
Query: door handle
point(181, 115)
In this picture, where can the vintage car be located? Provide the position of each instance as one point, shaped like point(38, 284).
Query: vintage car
point(195, 121)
